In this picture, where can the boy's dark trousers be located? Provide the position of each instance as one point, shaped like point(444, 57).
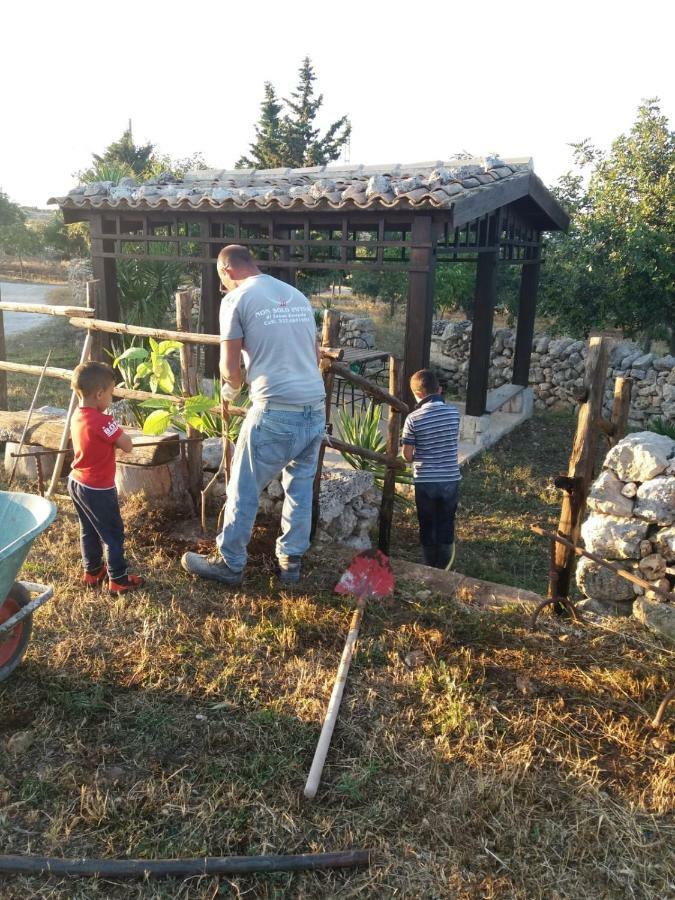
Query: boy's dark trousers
point(101, 527)
point(436, 507)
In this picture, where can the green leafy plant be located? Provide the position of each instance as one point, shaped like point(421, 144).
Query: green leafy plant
point(662, 426)
point(201, 412)
point(152, 365)
point(362, 429)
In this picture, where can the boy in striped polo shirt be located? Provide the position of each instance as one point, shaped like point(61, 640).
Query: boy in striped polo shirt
point(430, 437)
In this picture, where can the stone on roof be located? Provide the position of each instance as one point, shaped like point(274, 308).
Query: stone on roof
point(436, 184)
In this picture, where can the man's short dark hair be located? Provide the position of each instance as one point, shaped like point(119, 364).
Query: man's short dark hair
point(424, 382)
point(235, 255)
point(90, 377)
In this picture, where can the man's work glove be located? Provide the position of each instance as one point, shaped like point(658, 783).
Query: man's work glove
point(229, 394)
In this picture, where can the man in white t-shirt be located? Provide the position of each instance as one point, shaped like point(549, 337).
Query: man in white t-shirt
point(270, 326)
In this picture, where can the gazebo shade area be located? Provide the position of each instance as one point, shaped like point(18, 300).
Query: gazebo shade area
point(407, 218)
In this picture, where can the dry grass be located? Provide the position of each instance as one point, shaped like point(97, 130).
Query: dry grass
point(51, 271)
point(182, 721)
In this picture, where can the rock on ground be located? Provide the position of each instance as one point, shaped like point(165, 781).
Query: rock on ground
point(659, 617)
point(606, 496)
point(600, 583)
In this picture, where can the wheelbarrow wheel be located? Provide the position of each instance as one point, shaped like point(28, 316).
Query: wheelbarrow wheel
point(13, 645)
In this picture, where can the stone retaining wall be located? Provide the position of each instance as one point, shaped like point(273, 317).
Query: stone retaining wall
point(632, 521)
point(557, 368)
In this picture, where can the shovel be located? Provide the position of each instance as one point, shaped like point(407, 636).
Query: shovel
point(369, 575)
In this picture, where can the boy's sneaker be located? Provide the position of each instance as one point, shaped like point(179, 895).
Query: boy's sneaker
point(125, 583)
point(212, 567)
point(95, 578)
point(289, 569)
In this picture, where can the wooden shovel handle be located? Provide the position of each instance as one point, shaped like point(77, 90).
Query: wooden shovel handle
point(321, 751)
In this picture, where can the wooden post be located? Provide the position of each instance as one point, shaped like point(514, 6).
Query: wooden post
point(420, 309)
point(581, 465)
point(483, 315)
point(94, 303)
point(210, 300)
point(65, 437)
point(329, 338)
point(3, 355)
point(620, 409)
point(393, 432)
point(190, 388)
point(105, 267)
point(527, 307)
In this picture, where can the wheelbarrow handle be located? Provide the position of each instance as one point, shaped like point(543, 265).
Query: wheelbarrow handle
point(45, 593)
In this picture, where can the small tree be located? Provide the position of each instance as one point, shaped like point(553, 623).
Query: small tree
point(293, 139)
point(616, 266)
point(122, 158)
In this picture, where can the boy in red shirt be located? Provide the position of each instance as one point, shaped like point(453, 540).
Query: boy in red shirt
point(91, 484)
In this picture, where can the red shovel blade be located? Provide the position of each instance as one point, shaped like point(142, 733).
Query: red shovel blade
point(369, 575)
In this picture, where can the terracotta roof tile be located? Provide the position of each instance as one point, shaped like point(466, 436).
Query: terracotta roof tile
point(433, 184)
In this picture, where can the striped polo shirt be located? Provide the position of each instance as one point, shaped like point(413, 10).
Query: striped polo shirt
point(432, 428)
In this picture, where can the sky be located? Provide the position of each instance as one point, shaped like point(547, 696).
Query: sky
point(420, 81)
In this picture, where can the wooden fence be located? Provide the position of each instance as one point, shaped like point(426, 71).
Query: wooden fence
point(84, 318)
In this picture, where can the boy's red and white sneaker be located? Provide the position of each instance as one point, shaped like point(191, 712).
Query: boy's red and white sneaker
point(94, 579)
point(125, 584)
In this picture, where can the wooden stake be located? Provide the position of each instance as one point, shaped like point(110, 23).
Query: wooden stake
point(190, 388)
point(620, 409)
point(314, 777)
point(581, 466)
point(393, 432)
point(58, 462)
point(330, 336)
point(28, 418)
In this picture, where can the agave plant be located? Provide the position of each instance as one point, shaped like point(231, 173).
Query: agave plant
point(362, 429)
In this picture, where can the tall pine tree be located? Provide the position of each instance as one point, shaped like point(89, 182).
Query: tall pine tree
point(293, 139)
point(266, 151)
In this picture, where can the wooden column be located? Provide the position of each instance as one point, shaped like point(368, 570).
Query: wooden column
point(580, 469)
point(420, 310)
point(284, 252)
point(190, 388)
point(483, 315)
point(3, 356)
point(210, 302)
point(105, 268)
point(393, 433)
point(93, 295)
point(527, 307)
point(329, 338)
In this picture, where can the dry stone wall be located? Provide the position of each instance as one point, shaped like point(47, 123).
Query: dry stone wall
point(632, 521)
point(349, 502)
point(557, 368)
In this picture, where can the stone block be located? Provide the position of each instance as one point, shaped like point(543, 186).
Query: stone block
point(640, 456)
point(656, 500)
point(612, 537)
point(600, 583)
point(605, 496)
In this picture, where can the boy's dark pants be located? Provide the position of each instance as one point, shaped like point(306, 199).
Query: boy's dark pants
point(101, 527)
point(436, 507)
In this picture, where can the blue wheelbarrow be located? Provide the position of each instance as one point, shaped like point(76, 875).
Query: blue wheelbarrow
point(22, 518)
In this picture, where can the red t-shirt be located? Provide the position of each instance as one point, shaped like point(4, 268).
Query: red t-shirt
point(94, 435)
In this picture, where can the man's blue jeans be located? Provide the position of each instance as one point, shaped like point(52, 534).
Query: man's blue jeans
point(271, 442)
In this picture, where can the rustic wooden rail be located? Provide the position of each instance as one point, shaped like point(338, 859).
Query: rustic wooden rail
point(159, 334)
point(64, 311)
point(623, 573)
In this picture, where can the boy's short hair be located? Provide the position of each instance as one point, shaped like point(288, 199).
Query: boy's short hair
point(424, 382)
point(90, 377)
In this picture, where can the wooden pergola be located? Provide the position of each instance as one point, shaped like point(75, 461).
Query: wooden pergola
point(401, 218)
